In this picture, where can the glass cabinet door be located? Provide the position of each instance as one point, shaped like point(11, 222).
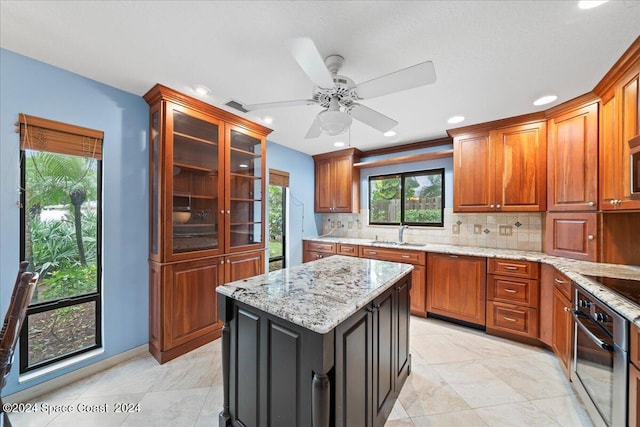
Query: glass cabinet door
point(246, 180)
point(196, 183)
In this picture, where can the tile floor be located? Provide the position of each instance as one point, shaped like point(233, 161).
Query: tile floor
point(460, 377)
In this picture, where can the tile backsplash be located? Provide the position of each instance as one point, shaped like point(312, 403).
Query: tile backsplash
point(512, 230)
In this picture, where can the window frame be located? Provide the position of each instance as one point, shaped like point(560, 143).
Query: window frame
point(284, 232)
point(402, 176)
point(43, 135)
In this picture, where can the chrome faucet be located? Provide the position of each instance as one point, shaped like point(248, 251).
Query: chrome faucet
point(401, 231)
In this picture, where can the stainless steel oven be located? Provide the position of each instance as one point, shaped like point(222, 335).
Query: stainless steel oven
point(634, 151)
point(600, 360)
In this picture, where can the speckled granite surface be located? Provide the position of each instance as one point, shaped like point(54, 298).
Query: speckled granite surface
point(318, 295)
point(573, 269)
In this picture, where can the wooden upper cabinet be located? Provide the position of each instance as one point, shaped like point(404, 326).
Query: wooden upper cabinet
point(500, 166)
point(619, 122)
point(521, 167)
point(572, 168)
point(473, 173)
point(337, 182)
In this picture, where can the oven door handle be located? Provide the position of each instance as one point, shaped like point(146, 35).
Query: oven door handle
point(576, 315)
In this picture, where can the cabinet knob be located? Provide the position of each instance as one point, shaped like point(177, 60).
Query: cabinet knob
point(228, 261)
point(567, 308)
point(221, 211)
point(498, 206)
point(228, 212)
point(592, 204)
point(221, 261)
point(491, 206)
point(590, 237)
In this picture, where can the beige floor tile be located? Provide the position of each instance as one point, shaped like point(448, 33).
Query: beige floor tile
point(426, 393)
point(398, 412)
point(477, 385)
point(405, 422)
point(212, 407)
point(568, 411)
point(169, 408)
point(515, 415)
point(134, 376)
point(443, 348)
point(529, 376)
point(420, 326)
point(460, 418)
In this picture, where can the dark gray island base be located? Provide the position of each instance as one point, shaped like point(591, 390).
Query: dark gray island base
point(322, 344)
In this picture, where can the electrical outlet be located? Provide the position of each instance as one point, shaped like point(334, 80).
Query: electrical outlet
point(359, 225)
point(505, 230)
point(339, 224)
point(349, 225)
point(477, 228)
point(333, 224)
point(455, 229)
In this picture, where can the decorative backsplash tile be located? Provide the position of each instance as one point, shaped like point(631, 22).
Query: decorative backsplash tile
point(511, 230)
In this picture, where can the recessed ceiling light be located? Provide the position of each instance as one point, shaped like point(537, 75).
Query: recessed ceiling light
point(455, 119)
point(547, 99)
point(390, 133)
point(202, 90)
point(338, 144)
point(590, 4)
point(267, 120)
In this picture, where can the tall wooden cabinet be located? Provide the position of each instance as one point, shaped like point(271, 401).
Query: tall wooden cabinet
point(337, 182)
point(206, 180)
point(619, 91)
point(500, 166)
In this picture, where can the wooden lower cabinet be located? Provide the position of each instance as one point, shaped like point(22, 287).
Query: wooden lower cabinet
point(418, 259)
point(456, 287)
point(512, 319)
point(183, 311)
point(312, 250)
point(562, 335)
point(241, 266)
point(183, 303)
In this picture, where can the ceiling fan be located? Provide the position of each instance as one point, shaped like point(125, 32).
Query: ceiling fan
point(340, 96)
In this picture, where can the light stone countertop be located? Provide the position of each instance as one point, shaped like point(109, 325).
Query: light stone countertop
point(318, 295)
point(573, 269)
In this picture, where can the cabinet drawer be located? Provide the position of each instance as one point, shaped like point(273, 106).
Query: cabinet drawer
point(513, 319)
point(563, 283)
point(348, 250)
point(325, 247)
point(384, 254)
point(515, 268)
point(513, 290)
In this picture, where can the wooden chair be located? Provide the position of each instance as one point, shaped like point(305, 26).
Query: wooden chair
point(20, 298)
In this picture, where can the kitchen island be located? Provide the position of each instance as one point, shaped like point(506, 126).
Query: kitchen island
point(321, 344)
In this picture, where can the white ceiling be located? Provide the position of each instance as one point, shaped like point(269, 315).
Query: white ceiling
point(492, 58)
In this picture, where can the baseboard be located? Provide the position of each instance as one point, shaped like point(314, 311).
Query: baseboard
point(66, 379)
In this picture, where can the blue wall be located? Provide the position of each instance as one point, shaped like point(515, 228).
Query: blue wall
point(38, 89)
point(303, 222)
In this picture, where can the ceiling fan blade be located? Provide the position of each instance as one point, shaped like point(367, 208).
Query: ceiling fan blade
point(314, 131)
point(372, 118)
point(279, 104)
point(306, 54)
point(407, 78)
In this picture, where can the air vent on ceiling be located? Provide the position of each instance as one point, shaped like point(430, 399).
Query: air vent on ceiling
point(237, 106)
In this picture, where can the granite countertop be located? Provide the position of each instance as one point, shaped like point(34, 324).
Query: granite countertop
point(573, 269)
point(318, 295)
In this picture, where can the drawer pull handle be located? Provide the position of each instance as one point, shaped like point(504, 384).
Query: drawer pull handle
point(510, 267)
point(511, 291)
point(453, 256)
point(510, 319)
point(558, 280)
point(406, 256)
point(373, 253)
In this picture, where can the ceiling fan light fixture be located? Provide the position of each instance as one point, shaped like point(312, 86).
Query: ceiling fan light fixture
point(390, 133)
point(455, 119)
point(334, 122)
point(338, 144)
point(590, 4)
